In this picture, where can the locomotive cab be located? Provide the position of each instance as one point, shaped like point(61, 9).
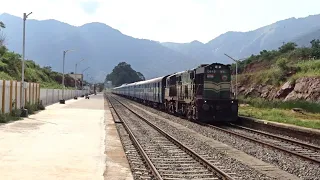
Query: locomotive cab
point(214, 101)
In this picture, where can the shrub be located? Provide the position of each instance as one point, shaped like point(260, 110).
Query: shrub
point(40, 106)
point(31, 108)
point(3, 118)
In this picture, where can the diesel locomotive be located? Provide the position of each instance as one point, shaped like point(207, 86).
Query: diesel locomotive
point(202, 94)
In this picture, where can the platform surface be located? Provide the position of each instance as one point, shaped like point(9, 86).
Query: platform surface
point(65, 141)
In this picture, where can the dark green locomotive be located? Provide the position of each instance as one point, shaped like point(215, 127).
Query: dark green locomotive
point(203, 93)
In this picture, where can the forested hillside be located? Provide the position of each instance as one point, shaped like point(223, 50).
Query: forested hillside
point(289, 73)
point(10, 68)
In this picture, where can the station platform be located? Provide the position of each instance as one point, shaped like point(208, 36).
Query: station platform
point(65, 141)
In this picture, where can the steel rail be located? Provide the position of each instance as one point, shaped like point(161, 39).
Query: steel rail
point(138, 145)
point(189, 151)
point(311, 146)
point(265, 143)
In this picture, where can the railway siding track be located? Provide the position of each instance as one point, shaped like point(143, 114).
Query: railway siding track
point(166, 157)
point(303, 150)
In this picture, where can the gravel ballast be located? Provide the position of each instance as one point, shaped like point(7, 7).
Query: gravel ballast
point(292, 164)
point(138, 168)
point(165, 155)
point(199, 146)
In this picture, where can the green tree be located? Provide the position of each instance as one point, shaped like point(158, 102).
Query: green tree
point(315, 48)
point(123, 73)
point(315, 43)
point(287, 47)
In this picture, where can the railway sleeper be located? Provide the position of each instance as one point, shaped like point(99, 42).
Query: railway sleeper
point(213, 178)
point(192, 171)
point(176, 165)
point(179, 168)
point(180, 162)
point(190, 175)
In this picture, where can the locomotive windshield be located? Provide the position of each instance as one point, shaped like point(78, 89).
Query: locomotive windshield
point(216, 82)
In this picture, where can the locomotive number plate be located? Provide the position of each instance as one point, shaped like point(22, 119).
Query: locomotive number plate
point(210, 76)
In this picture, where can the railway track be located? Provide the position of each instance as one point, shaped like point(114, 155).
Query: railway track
point(297, 148)
point(166, 157)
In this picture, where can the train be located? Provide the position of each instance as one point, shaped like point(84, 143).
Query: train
point(201, 94)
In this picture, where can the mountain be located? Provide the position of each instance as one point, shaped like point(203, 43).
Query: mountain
point(100, 45)
point(243, 44)
point(305, 39)
point(195, 49)
point(103, 47)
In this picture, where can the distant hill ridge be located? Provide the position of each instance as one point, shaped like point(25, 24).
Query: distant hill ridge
point(104, 47)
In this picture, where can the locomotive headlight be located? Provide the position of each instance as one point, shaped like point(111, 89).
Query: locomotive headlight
point(224, 78)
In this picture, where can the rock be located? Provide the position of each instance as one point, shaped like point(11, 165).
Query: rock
point(285, 90)
point(306, 88)
point(298, 110)
point(252, 92)
point(267, 91)
point(244, 105)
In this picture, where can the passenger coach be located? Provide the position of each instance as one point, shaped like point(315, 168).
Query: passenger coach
point(150, 92)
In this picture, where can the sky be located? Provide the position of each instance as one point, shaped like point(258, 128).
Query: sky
point(179, 21)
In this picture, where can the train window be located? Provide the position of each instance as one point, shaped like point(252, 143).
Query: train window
point(191, 75)
point(173, 80)
point(186, 91)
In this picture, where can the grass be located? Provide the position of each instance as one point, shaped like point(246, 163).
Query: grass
point(10, 69)
point(270, 76)
point(307, 106)
point(5, 76)
point(13, 116)
point(308, 120)
point(310, 68)
point(281, 112)
point(52, 85)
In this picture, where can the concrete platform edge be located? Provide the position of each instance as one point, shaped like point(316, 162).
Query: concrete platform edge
point(282, 125)
point(117, 165)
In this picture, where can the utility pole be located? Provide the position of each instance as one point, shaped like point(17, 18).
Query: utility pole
point(62, 101)
point(236, 61)
point(24, 112)
point(75, 79)
point(83, 77)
